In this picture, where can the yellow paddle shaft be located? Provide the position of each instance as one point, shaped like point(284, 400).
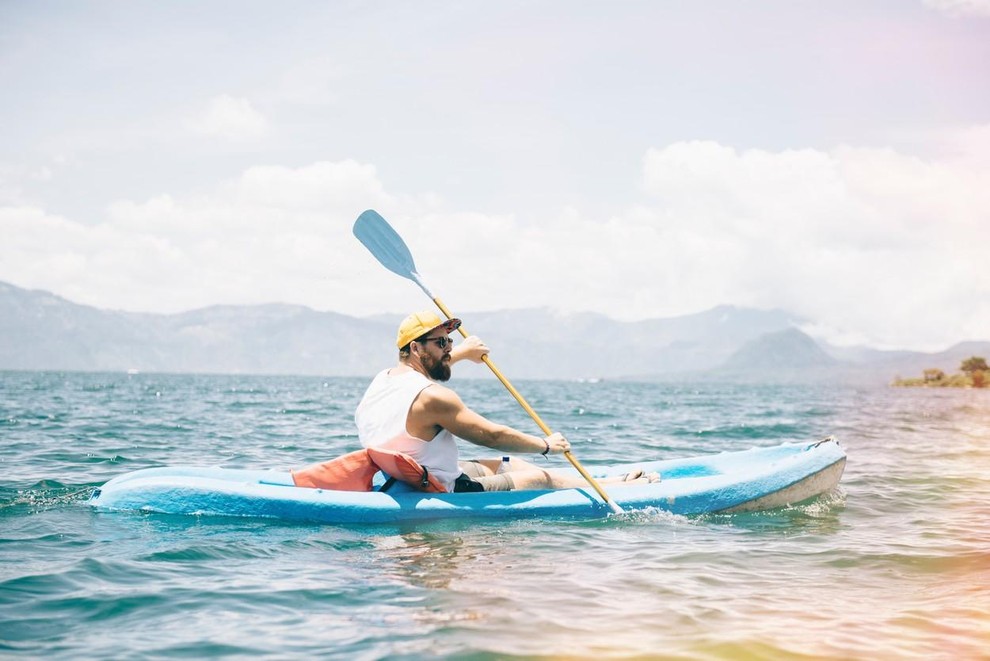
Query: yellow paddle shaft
point(533, 414)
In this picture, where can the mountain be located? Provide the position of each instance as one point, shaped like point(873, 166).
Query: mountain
point(784, 350)
point(42, 331)
point(540, 342)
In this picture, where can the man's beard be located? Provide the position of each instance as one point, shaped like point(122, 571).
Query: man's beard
point(439, 370)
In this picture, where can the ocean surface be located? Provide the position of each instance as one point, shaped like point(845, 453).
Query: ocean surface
point(893, 565)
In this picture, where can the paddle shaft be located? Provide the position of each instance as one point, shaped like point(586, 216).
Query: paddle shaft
point(529, 409)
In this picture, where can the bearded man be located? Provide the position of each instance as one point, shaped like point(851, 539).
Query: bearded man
point(406, 409)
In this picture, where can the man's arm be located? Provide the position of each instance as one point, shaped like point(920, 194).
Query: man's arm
point(438, 406)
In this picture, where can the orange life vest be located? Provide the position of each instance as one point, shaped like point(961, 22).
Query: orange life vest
point(355, 471)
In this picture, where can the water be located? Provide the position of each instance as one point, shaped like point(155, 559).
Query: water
point(895, 564)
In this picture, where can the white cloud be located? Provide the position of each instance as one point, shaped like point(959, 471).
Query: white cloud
point(869, 244)
point(229, 118)
point(347, 184)
point(873, 240)
point(273, 234)
point(961, 7)
point(14, 179)
point(967, 146)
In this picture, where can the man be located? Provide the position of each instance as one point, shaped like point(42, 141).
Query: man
point(406, 409)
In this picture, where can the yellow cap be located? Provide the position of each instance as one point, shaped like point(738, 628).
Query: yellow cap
point(420, 323)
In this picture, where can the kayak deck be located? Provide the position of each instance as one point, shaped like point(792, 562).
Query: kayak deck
point(748, 480)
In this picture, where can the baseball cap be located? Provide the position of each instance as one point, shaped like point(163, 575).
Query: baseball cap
point(420, 323)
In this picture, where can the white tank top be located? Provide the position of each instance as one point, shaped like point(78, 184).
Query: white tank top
point(381, 422)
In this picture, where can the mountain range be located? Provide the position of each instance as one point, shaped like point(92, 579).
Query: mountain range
point(42, 331)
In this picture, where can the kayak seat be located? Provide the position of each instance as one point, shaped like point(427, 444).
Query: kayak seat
point(355, 471)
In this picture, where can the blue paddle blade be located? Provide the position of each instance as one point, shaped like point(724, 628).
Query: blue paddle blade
point(385, 244)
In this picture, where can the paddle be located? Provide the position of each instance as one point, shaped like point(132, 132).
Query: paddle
point(390, 250)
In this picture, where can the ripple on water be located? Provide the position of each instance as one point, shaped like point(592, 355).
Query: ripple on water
point(891, 565)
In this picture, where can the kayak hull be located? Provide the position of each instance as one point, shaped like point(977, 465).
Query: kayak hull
point(730, 482)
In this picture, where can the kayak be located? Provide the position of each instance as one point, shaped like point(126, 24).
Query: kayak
point(729, 482)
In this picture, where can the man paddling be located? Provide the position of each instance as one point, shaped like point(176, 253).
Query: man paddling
point(406, 409)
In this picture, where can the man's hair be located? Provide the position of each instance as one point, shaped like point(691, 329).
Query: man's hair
point(405, 351)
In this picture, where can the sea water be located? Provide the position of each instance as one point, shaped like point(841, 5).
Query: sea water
point(895, 564)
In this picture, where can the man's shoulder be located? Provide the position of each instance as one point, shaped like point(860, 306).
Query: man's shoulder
point(437, 394)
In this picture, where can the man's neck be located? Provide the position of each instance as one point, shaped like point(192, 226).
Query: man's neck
point(409, 366)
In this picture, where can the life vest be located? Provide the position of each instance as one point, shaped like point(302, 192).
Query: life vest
point(356, 470)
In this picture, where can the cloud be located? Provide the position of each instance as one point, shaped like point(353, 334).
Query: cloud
point(872, 245)
point(272, 234)
point(230, 118)
point(14, 179)
point(968, 146)
point(867, 239)
point(960, 7)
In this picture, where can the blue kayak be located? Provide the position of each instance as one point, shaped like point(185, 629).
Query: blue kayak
point(749, 480)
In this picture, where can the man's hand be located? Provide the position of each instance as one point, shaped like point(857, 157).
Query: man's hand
point(557, 444)
point(472, 348)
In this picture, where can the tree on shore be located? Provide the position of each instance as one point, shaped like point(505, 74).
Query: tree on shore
point(976, 368)
point(974, 364)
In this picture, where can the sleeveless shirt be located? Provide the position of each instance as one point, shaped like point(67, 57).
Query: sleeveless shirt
point(381, 422)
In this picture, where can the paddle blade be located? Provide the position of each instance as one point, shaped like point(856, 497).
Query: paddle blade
point(385, 244)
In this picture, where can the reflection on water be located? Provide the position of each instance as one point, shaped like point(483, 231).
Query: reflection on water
point(424, 559)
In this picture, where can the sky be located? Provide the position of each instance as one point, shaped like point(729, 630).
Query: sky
point(638, 159)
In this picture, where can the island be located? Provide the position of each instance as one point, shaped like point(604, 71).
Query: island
point(972, 374)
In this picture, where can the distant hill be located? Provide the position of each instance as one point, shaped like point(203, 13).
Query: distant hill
point(788, 349)
point(42, 331)
point(543, 343)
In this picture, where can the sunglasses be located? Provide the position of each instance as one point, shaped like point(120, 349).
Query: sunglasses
point(441, 341)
